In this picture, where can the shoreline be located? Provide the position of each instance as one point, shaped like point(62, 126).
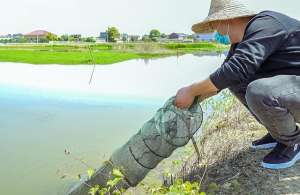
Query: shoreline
point(100, 54)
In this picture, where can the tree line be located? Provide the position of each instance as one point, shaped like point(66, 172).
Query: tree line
point(112, 35)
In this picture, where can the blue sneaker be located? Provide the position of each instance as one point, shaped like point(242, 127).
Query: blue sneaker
point(267, 142)
point(282, 157)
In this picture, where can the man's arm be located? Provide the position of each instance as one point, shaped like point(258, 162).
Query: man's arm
point(204, 89)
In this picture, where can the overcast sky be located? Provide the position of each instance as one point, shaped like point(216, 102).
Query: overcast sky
point(89, 17)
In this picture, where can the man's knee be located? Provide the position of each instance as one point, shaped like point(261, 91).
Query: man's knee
point(259, 93)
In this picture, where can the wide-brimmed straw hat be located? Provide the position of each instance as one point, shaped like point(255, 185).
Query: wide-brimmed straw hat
point(222, 10)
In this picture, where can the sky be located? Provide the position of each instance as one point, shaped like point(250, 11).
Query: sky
point(89, 17)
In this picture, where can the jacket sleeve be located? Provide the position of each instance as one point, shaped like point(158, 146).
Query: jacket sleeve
point(262, 38)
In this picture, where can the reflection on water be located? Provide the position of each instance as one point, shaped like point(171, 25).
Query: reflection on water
point(47, 109)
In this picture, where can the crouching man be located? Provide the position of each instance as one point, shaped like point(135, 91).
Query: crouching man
point(262, 70)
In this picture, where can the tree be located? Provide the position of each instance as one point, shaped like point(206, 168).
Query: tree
point(113, 34)
point(22, 40)
point(75, 37)
point(146, 38)
point(90, 39)
point(64, 37)
point(51, 37)
point(163, 35)
point(154, 35)
point(124, 38)
point(134, 38)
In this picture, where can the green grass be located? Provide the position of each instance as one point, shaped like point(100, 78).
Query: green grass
point(70, 57)
point(102, 53)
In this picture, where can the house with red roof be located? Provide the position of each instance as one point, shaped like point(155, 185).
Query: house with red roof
point(38, 36)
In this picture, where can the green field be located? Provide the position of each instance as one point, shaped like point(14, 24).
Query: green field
point(99, 53)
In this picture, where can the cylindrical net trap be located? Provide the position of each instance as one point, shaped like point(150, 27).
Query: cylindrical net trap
point(168, 130)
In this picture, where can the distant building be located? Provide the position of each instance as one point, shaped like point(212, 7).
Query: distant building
point(37, 36)
point(8, 36)
point(203, 37)
point(18, 35)
point(178, 36)
point(11, 36)
point(103, 37)
point(4, 37)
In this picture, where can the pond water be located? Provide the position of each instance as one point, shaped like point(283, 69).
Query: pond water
point(47, 109)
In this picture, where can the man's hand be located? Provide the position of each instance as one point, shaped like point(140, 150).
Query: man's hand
point(184, 97)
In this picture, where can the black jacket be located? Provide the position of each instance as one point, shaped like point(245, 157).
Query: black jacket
point(271, 46)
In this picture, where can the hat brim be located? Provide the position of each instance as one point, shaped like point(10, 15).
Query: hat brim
point(205, 26)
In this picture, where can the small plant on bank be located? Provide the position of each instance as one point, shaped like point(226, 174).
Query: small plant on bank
point(178, 188)
point(111, 185)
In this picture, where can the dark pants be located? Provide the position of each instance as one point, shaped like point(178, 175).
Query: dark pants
point(275, 103)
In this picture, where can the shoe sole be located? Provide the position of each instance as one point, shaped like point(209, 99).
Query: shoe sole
point(264, 146)
point(282, 165)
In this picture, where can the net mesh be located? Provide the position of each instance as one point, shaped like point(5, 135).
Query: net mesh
point(177, 126)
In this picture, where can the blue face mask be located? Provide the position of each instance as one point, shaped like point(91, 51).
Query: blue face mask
point(223, 39)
